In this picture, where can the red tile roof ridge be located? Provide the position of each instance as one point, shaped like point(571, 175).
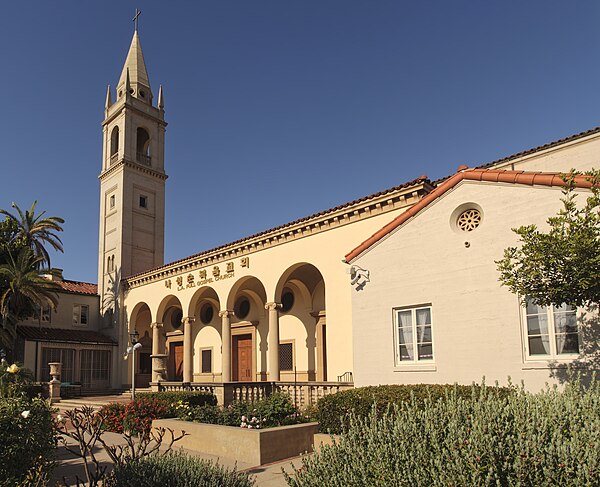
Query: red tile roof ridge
point(78, 287)
point(477, 174)
point(419, 180)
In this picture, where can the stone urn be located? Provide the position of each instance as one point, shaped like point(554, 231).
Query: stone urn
point(55, 370)
point(159, 366)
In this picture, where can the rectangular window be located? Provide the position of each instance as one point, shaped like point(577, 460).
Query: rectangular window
point(65, 356)
point(206, 366)
point(95, 369)
point(41, 314)
point(413, 337)
point(145, 363)
point(552, 331)
point(286, 356)
point(143, 201)
point(112, 201)
point(80, 314)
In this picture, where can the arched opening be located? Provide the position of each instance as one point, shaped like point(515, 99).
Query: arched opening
point(140, 321)
point(143, 146)
point(206, 335)
point(302, 324)
point(249, 328)
point(170, 314)
point(114, 142)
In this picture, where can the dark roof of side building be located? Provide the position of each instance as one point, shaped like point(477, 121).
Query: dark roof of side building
point(45, 334)
point(77, 287)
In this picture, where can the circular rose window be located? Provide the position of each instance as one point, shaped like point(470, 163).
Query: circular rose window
point(468, 220)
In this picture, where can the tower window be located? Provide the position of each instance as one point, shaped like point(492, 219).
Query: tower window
point(111, 200)
point(143, 146)
point(143, 201)
point(114, 141)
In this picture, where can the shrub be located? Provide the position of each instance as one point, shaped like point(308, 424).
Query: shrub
point(549, 438)
point(275, 410)
point(140, 413)
point(28, 440)
point(114, 416)
point(172, 399)
point(334, 410)
point(15, 380)
point(176, 470)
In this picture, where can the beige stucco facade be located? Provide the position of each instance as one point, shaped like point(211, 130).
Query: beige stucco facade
point(478, 327)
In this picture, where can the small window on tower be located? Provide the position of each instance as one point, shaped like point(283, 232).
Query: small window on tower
point(143, 201)
point(112, 201)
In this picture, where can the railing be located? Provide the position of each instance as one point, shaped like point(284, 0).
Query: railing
point(302, 393)
point(143, 158)
point(346, 377)
point(114, 158)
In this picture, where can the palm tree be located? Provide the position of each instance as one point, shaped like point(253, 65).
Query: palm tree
point(37, 231)
point(23, 287)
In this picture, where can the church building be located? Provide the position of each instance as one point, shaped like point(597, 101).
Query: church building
point(389, 288)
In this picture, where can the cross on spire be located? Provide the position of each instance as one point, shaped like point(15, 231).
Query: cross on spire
point(135, 19)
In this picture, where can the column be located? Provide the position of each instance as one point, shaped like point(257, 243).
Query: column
point(159, 367)
point(273, 341)
point(188, 350)
point(226, 345)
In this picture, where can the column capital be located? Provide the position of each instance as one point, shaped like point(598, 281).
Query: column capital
point(188, 320)
point(272, 306)
point(156, 325)
point(225, 313)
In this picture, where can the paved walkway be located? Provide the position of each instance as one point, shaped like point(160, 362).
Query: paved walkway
point(71, 466)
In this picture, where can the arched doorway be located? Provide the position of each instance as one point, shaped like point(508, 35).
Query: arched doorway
point(170, 315)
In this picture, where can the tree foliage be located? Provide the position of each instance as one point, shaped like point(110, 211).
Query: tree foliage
point(561, 265)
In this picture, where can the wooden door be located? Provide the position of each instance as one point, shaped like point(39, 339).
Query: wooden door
point(242, 358)
point(176, 359)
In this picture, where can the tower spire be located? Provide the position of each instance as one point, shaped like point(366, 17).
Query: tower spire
point(161, 99)
point(138, 74)
point(108, 98)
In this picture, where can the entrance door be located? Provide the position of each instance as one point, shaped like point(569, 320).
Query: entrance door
point(242, 358)
point(176, 359)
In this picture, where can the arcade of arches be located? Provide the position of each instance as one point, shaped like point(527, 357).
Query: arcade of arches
point(244, 333)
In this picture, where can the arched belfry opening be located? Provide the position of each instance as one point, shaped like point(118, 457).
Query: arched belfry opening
point(143, 146)
point(114, 142)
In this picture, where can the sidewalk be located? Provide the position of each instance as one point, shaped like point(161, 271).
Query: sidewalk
point(70, 466)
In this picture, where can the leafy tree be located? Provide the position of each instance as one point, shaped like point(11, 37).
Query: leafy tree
point(36, 230)
point(561, 265)
point(24, 286)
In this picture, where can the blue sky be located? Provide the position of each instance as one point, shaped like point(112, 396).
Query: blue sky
point(279, 109)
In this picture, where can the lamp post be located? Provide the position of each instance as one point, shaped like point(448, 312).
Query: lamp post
point(133, 336)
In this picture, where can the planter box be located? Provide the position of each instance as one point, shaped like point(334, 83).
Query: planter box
point(255, 447)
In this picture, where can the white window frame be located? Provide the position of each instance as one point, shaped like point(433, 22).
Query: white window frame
point(416, 360)
point(553, 354)
point(77, 314)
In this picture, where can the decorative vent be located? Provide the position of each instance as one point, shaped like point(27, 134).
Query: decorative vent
point(468, 220)
point(286, 356)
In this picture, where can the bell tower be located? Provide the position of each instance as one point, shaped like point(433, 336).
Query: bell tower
point(132, 180)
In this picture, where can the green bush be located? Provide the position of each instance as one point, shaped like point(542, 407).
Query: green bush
point(488, 439)
point(15, 380)
point(333, 411)
point(275, 410)
point(114, 416)
point(176, 470)
point(28, 439)
point(175, 398)
point(140, 413)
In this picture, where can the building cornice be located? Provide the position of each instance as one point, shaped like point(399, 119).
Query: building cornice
point(123, 163)
point(119, 106)
point(370, 206)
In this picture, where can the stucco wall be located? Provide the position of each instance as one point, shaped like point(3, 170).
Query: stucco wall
point(477, 324)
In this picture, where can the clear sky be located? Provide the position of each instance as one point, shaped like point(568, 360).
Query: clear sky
point(280, 109)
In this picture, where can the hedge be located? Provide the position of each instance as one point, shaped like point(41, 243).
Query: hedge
point(530, 440)
point(176, 470)
point(333, 410)
point(174, 398)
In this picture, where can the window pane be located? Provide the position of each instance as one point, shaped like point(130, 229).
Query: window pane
point(426, 351)
point(539, 345)
point(565, 322)
point(568, 343)
point(286, 356)
point(534, 309)
point(404, 318)
point(537, 324)
point(405, 336)
point(423, 334)
point(406, 352)
point(206, 361)
point(424, 316)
